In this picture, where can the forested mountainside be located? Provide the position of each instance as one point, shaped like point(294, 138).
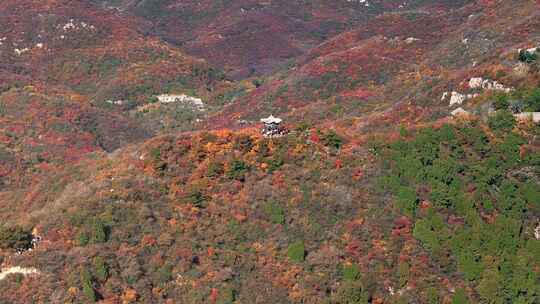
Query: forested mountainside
point(248, 37)
point(133, 168)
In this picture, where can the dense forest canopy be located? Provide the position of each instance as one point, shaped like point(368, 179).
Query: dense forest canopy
point(244, 151)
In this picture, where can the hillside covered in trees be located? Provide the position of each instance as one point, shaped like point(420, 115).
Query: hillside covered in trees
point(133, 168)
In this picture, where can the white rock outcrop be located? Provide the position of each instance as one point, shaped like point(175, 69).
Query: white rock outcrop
point(115, 102)
point(18, 270)
point(194, 101)
point(475, 82)
point(487, 84)
point(534, 116)
point(19, 52)
point(457, 98)
point(444, 95)
point(411, 40)
point(73, 24)
point(364, 2)
point(537, 232)
point(531, 50)
point(459, 112)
